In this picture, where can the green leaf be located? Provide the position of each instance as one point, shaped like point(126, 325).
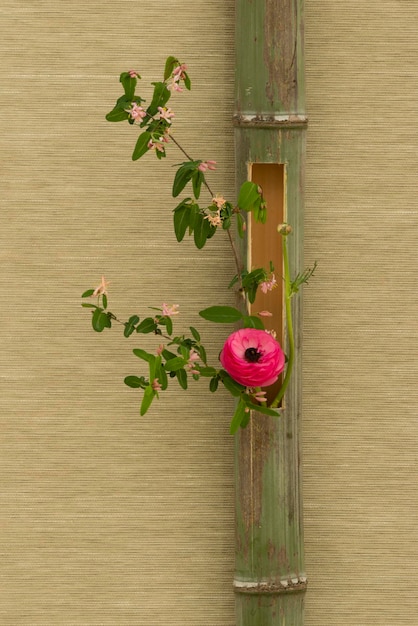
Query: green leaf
point(100, 320)
point(248, 196)
point(213, 385)
point(162, 377)
point(88, 293)
point(183, 176)
point(149, 395)
point(194, 212)
point(134, 382)
point(233, 281)
point(187, 82)
point(252, 292)
point(104, 301)
point(169, 325)
point(207, 372)
point(141, 146)
point(165, 320)
point(159, 99)
point(130, 325)
point(181, 221)
point(154, 365)
point(244, 422)
point(143, 355)
point(182, 378)
point(117, 115)
point(168, 355)
point(221, 314)
point(230, 384)
point(195, 333)
point(251, 321)
point(197, 181)
point(256, 276)
point(146, 326)
point(173, 365)
point(184, 350)
point(202, 353)
point(170, 65)
point(263, 409)
point(238, 417)
point(88, 305)
point(129, 84)
point(202, 231)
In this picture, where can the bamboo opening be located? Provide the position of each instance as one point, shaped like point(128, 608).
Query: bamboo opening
point(265, 246)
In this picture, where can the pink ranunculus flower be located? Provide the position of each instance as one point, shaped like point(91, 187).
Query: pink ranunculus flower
point(252, 357)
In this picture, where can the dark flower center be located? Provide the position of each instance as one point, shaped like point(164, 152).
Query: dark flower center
point(252, 356)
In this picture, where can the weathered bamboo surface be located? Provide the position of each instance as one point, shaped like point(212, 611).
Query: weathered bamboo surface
point(270, 128)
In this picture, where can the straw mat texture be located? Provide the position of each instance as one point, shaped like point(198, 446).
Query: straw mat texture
point(361, 311)
point(107, 518)
point(115, 520)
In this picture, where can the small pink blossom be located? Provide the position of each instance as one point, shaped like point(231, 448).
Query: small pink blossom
point(179, 71)
point(136, 112)
point(252, 357)
point(268, 285)
point(156, 144)
point(190, 365)
point(207, 165)
point(160, 349)
point(174, 85)
point(169, 311)
point(165, 113)
point(156, 385)
point(214, 219)
point(134, 74)
point(101, 289)
point(219, 201)
point(265, 314)
point(260, 396)
point(177, 75)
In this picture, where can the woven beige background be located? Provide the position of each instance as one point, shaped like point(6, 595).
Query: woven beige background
point(361, 328)
point(111, 519)
point(106, 517)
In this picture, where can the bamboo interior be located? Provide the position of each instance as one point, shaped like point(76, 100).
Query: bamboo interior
point(266, 245)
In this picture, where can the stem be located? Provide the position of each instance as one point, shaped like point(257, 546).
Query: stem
point(289, 323)
point(180, 148)
point(236, 257)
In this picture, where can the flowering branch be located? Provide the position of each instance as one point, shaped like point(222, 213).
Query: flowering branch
point(251, 357)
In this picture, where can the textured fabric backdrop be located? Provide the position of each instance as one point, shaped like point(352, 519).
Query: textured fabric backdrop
point(361, 330)
point(115, 520)
point(106, 517)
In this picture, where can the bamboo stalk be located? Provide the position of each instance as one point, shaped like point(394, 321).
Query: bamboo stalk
point(270, 128)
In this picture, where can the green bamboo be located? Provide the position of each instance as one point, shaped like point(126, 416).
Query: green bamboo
point(270, 580)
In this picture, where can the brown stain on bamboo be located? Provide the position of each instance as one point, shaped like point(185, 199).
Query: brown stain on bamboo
point(280, 47)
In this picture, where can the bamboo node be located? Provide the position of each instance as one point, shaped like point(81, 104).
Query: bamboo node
point(283, 586)
point(267, 120)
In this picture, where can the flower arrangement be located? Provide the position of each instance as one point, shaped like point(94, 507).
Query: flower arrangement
point(251, 358)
